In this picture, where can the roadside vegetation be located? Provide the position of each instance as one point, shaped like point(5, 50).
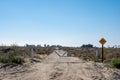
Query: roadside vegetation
point(115, 63)
point(17, 54)
point(9, 58)
point(88, 53)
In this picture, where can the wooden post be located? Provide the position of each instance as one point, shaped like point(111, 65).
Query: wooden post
point(102, 53)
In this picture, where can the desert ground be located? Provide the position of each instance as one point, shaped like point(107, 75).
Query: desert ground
point(59, 67)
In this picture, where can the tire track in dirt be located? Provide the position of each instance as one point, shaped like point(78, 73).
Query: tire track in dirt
point(72, 68)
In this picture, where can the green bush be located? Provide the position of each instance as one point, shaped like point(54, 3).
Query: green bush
point(12, 59)
point(115, 63)
point(17, 60)
point(96, 59)
point(4, 60)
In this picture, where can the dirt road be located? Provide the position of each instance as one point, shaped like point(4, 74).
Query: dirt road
point(55, 67)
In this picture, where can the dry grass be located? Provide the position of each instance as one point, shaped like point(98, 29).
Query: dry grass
point(89, 53)
point(23, 52)
point(85, 53)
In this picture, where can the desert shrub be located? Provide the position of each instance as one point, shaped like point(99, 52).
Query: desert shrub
point(12, 59)
point(95, 59)
point(18, 60)
point(115, 63)
point(3, 60)
point(85, 58)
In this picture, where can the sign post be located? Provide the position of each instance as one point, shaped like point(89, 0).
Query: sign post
point(102, 41)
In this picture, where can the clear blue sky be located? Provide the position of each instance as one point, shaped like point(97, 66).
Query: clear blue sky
point(64, 22)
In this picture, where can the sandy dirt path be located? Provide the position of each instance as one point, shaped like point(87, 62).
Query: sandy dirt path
point(55, 67)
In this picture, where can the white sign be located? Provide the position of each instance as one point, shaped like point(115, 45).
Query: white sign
point(32, 53)
point(97, 53)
